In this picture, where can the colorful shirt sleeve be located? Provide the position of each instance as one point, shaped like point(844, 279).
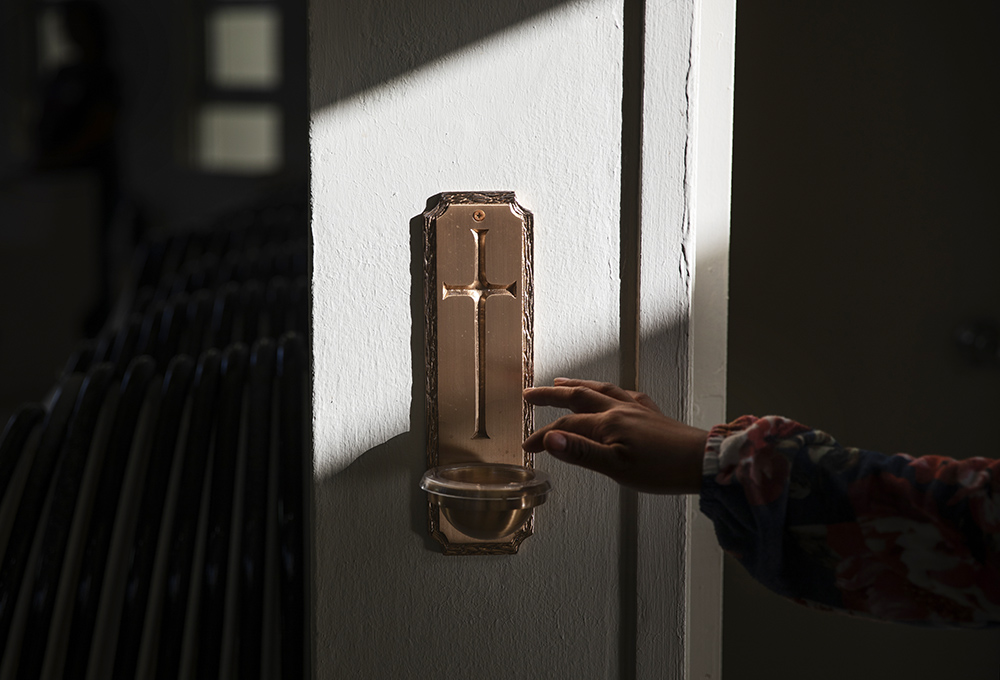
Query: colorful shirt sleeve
point(913, 540)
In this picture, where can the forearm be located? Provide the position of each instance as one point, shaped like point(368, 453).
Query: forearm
point(891, 537)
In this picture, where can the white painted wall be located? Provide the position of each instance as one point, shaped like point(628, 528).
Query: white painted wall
point(535, 110)
point(533, 107)
point(711, 166)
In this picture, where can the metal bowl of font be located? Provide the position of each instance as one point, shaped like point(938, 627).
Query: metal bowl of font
point(486, 500)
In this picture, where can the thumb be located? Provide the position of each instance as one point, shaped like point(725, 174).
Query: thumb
point(573, 448)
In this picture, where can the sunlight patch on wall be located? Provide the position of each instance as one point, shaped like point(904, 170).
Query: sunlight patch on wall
point(503, 113)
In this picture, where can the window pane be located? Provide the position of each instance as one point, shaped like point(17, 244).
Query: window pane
point(244, 47)
point(54, 48)
point(239, 138)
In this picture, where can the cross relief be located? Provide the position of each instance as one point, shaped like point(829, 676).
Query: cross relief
point(480, 290)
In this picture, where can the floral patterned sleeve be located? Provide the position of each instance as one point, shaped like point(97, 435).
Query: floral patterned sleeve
point(913, 540)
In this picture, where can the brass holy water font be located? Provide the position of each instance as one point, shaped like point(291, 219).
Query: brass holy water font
point(478, 293)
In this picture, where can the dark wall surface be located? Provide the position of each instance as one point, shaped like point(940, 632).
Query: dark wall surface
point(864, 232)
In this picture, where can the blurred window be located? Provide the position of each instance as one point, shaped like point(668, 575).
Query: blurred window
point(54, 47)
point(239, 137)
point(239, 121)
point(244, 47)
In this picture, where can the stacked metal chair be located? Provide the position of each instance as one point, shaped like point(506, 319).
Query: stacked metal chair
point(152, 512)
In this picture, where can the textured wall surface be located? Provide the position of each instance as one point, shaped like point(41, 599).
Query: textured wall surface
point(529, 99)
point(534, 109)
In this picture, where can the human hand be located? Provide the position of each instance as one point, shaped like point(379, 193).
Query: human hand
point(621, 434)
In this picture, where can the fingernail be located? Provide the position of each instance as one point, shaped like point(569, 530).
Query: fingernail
point(555, 442)
point(559, 380)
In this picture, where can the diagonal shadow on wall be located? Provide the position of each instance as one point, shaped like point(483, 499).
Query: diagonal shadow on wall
point(364, 48)
point(373, 517)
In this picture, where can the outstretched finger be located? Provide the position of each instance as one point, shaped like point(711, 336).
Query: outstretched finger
point(610, 389)
point(578, 450)
point(576, 398)
point(578, 423)
point(644, 400)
